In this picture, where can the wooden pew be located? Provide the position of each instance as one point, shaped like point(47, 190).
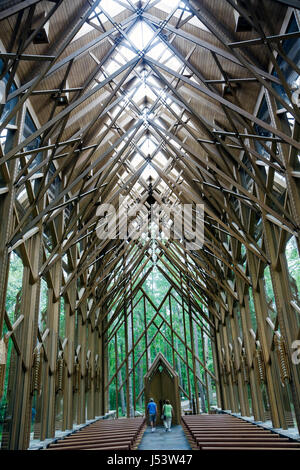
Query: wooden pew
point(109, 435)
point(228, 432)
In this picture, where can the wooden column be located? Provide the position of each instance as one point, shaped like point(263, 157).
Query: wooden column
point(81, 415)
point(249, 342)
point(148, 356)
point(19, 426)
point(104, 367)
point(97, 379)
point(275, 246)
point(69, 352)
point(132, 346)
point(242, 388)
point(219, 389)
point(7, 201)
point(21, 419)
point(265, 341)
point(193, 339)
point(185, 342)
point(51, 344)
point(205, 371)
point(286, 313)
point(91, 351)
point(223, 373)
point(172, 332)
point(116, 377)
point(225, 342)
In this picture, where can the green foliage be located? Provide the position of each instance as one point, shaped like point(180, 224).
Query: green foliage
point(14, 285)
point(62, 320)
point(156, 287)
point(252, 309)
point(293, 262)
point(13, 296)
point(270, 294)
point(43, 305)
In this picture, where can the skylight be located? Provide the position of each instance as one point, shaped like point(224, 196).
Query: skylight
point(114, 8)
point(182, 11)
point(141, 34)
point(149, 171)
point(140, 39)
point(111, 7)
point(162, 53)
point(137, 159)
point(148, 147)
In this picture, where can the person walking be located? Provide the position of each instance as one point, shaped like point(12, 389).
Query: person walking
point(152, 410)
point(168, 412)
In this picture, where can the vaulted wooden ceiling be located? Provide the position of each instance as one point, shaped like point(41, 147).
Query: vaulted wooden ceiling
point(125, 90)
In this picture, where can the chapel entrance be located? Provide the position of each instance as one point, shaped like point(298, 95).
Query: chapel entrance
point(162, 383)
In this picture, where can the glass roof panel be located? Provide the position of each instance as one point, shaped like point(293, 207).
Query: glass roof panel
point(141, 34)
point(149, 171)
point(137, 159)
point(168, 5)
point(111, 7)
point(139, 39)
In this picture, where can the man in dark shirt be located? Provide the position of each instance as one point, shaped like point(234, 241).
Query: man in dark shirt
point(152, 410)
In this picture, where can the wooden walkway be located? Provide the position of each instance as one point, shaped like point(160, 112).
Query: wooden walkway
point(161, 440)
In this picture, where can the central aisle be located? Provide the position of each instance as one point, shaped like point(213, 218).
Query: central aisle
point(162, 440)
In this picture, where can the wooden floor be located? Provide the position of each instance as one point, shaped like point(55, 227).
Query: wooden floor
point(162, 440)
point(224, 432)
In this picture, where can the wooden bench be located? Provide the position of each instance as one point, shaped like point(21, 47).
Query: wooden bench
point(113, 443)
point(94, 447)
point(216, 432)
point(233, 436)
point(243, 441)
point(100, 435)
point(283, 445)
point(114, 435)
point(90, 440)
